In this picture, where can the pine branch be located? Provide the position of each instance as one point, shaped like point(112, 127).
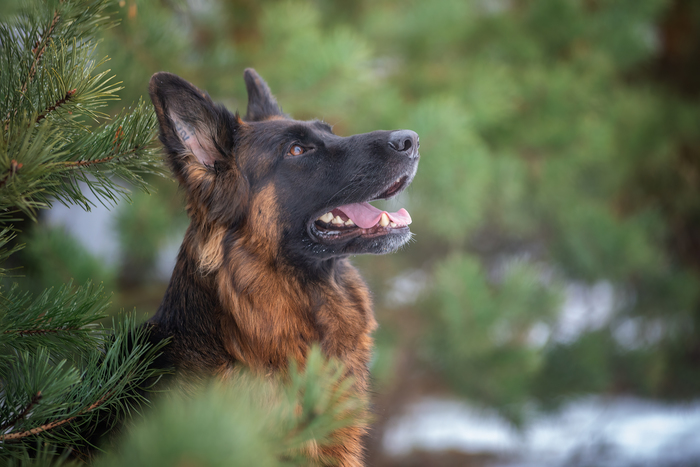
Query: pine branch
point(56, 319)
point(48, 97)
point(31, 374)
point(38, 53)
point(123, 149)
point(52, 425)
point(34, 332)
point(89, 163)
point(323, 401)
point(27, 189)
point(59, 369)
point(58, 104)
point(35, 400)
point(107, 386)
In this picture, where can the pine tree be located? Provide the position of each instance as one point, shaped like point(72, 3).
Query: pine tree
point(61, 372)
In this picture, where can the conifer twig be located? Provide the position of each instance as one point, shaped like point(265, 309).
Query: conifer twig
point(58, 103)
point(38, 53)
point(87, 163)
point(39, 331)
point(35, 400)
point(52, 425)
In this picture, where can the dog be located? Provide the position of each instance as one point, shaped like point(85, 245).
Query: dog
point(276, 206)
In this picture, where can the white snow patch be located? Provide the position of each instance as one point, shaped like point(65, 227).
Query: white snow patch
point(435, 424)
point(586, 308)
point(606, 432)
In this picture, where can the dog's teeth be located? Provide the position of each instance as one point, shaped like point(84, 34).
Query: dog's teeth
point(393, 224)
point(349, 222)
point(384, 221)
point(337, 220)
point(327, 217)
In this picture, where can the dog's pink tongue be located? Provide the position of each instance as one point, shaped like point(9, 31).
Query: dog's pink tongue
point(365, 215)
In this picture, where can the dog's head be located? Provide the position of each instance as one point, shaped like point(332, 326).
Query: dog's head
point(292, 188)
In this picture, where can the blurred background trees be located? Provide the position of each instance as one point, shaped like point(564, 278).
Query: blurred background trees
point(557, 204)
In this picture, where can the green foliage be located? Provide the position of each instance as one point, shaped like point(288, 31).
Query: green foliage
point(43, 456)
point(504, 310)
point(61, 372)
point(57, 320)
point(54, 133)
point(265, 422)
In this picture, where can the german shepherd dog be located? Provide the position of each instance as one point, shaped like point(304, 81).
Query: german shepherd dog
point(276, 207)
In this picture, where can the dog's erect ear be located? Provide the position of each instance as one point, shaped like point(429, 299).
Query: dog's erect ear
point(193, 129)
point(261, 103)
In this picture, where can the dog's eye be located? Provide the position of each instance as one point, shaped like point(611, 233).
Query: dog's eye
point(296, 150)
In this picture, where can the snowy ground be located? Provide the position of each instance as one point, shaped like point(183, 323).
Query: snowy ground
point(611, 432)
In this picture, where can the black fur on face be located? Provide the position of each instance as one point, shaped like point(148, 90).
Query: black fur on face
point(275, 177)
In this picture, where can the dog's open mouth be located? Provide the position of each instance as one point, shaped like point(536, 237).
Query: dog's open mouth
point(363, 219)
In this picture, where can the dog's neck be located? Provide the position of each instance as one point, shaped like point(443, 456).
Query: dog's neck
point(263, 311)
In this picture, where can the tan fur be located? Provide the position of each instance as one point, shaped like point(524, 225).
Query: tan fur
point(211, 251)
point(262, 216)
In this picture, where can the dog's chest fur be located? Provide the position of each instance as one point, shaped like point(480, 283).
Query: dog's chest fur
point(252, 311)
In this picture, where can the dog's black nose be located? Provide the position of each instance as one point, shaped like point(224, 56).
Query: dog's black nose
point(404, 142)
